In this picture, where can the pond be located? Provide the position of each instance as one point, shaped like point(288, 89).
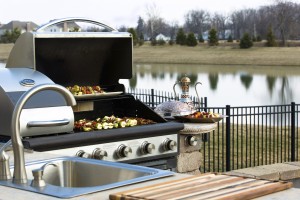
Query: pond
point(223, 85)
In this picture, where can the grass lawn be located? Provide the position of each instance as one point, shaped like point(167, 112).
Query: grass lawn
point(4, 51)
point(220, 55)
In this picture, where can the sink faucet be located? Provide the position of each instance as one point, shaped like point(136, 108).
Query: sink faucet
point(19, 175)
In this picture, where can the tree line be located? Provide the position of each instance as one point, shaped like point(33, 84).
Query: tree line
point(280, 20)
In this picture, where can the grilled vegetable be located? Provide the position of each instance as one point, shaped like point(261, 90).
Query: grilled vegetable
point(109, 122)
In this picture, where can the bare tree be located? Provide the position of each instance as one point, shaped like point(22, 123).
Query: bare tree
point(219, 22)
point(284, 13)
point(154, 20)
point(197, 21)
point(243, 21)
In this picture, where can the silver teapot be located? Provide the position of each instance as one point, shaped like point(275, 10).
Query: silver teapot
point(185, 87)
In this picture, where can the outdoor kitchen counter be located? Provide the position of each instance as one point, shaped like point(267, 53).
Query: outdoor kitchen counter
point(8, 193)
point(189, 159)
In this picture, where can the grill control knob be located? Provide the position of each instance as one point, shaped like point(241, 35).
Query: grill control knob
point(191, 140)
point(83, 154)
point(123, 151)
point(147, 147)
point(169, 144)
point(99, 154)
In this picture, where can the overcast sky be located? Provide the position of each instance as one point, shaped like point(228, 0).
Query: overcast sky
point(115, 12)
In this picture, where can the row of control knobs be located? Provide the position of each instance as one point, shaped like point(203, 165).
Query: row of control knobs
point(124, 151)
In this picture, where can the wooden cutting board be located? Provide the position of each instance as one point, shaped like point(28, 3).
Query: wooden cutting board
point(206, 186)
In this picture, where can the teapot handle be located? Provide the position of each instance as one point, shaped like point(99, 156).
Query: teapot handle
point(175, 89)
point(197, 93)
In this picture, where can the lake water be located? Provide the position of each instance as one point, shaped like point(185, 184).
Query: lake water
point(223, 85)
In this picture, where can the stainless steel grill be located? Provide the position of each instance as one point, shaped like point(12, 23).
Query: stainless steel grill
point(93, 58)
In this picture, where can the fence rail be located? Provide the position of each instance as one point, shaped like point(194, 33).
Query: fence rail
point(249, 136)
point(152, 97)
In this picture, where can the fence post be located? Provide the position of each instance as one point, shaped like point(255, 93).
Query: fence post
point(152, 98)
point(228, 159)
point(293, 130)
point(205, 104)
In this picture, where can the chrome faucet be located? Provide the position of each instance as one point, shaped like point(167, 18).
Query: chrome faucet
point(19, 175)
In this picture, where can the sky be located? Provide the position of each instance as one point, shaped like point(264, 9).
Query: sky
point(116, 12)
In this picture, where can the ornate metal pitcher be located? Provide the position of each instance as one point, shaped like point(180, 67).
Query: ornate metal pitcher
point(185, 87)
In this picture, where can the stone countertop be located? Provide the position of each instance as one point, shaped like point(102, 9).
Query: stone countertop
point(198, 128)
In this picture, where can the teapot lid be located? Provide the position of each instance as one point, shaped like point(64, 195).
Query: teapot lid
point(185, 79)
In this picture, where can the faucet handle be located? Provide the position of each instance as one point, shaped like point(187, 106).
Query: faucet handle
point(38, 173)
point(5, 173)
point(5, 146)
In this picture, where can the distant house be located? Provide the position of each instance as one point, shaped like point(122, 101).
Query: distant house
point(63, 27)
point(162, 37)
point(22, 26)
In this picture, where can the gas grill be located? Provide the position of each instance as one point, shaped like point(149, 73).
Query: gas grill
point(91, 58)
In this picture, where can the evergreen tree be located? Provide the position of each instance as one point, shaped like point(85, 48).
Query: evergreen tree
point(180, 37)
point(271, 42)
point(246, 41)
point(191, 40)
point(213, 38)
point(258, 39)
point(229, 39)
point(200, 38)
point(11, 36)
point(141, 39)
point(140, 27)
point(134, 35)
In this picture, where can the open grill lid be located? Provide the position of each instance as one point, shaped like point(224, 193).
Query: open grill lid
point(69, 58)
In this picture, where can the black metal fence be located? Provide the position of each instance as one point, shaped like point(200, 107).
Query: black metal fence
point(249, 136)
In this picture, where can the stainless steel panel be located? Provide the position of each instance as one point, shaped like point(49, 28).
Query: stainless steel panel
point(46, 115)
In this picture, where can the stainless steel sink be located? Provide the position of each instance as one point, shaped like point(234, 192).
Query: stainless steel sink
point(74, 176)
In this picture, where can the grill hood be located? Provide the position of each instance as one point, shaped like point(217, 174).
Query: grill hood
point(93, 58)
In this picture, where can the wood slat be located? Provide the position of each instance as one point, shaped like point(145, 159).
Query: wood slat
point(203, 177)
point(203, 187)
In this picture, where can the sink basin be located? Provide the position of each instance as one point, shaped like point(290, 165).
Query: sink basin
point(76, 176)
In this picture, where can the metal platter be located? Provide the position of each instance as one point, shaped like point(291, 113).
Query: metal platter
point(199, 120)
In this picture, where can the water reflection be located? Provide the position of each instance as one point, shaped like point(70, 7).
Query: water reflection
point(213, 80)
point(246, 80)
point(133, 81)
point(224, 85)
point(286, 93)
point(271, 83)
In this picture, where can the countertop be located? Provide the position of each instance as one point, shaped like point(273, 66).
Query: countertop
point(8, 193)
